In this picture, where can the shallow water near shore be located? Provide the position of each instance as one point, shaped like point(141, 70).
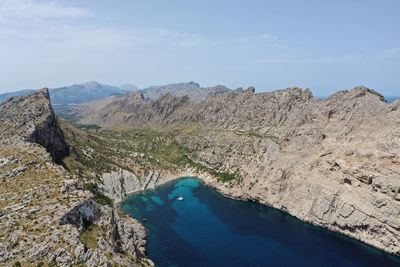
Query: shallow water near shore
point(208, 229)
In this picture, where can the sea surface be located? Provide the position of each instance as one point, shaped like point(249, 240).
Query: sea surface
point(390, 99)
point(208, 229)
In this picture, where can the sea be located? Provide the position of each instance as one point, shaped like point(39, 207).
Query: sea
point(190, 224)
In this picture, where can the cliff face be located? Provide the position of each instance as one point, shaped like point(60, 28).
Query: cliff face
point(32, 119)
point(45, 215)
point(334, 163)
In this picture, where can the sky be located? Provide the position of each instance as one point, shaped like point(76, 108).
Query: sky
point(322, 45)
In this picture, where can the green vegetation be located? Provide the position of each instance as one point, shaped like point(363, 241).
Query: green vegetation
point(66, 112)
point(95, 151)
point(149, 145)
point(89, 236)
point(88, 126)
point(222, 176)
point(98, 196)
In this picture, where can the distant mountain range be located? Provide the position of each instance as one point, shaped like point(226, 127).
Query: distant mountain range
point(5, 96)
point(191, 89)
point(77, 93)
point(90, 91)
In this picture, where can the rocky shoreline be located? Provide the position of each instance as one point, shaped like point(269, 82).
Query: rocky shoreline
point(46, 215)
point(331, 163)
point(229, 192)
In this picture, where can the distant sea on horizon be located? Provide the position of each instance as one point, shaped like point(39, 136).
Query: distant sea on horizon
point(390, 99)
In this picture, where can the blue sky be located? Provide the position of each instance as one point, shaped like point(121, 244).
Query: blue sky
point(322, 45)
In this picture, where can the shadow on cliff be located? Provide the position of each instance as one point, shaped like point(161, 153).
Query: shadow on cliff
point(50, 135)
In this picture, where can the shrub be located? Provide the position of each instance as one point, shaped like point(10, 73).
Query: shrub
point(99, 197)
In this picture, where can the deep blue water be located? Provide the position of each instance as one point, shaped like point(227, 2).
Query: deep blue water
point(207, 229)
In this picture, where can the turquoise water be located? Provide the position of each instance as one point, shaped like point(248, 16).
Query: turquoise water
point(207, 229)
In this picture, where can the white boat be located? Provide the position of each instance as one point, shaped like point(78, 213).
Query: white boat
point(180, 198)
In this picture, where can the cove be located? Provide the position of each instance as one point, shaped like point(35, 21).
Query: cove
point(208, 229)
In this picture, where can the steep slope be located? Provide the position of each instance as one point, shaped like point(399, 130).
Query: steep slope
point(334, 163)
point(31, 119)
point(121, 111)
point(46, 218)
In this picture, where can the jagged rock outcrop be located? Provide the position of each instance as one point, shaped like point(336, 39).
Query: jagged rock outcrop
point(32, 119)
point(45, 216)
point(118, 184)
point(333, 162)
point(83, 215)
point(113, 236)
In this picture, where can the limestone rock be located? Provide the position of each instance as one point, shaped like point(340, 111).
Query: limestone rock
point(43, 209)
point(332, 162)
point(32, 119)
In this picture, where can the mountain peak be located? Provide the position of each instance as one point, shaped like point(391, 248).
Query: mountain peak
point(31, 119)
point(91, 84)
point(44, 92)
point(361, 90)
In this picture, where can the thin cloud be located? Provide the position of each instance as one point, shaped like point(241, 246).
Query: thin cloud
point(328, 59)
point(29, 9)
point(389, 53)
point(263, 40)
point(92, 36)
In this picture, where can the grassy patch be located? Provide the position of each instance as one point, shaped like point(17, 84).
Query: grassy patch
point(97, 151)
point(221, 176)
point(89, 236)
point(98, 196)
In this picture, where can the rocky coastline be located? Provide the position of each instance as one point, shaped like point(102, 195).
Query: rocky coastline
point(332, 163)
point(46, 215)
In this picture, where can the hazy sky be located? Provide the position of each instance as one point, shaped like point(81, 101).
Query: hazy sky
point(323, 45)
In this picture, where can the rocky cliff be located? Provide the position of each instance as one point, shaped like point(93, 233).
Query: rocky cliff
point(31, 119)
point(333, 162)
point(45, 215)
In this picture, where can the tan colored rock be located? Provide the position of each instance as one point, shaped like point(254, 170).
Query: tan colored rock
point(333, 162)
point(37, 194)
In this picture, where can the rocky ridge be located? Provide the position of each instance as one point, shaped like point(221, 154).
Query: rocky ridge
point(45, 215)
point(189, 89)
point(333, 162)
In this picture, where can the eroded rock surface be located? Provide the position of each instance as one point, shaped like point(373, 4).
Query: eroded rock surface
point(31, 119)
point(45, 215)
point(333, 162)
